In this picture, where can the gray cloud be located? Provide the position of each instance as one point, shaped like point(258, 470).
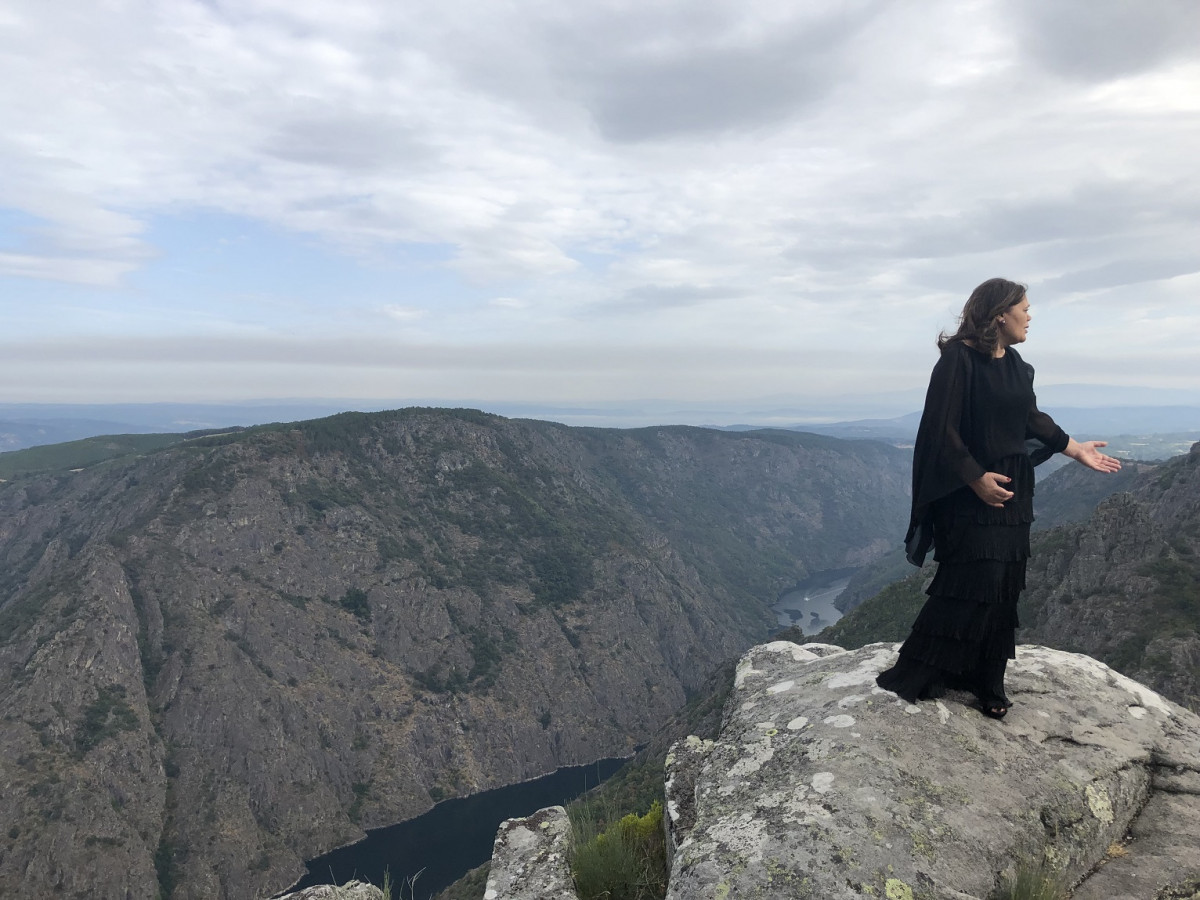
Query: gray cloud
point(642, 94)
point(348, 142)
point(1121, 272)
point(1097, 40)
point(667, 296)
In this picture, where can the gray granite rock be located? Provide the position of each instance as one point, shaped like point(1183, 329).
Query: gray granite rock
point(529, 859)
point(822, 785)
point(351, 890)
point(683, 766)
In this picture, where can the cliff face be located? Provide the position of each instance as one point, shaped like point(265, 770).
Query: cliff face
point(1125, 585)
point(223, 658)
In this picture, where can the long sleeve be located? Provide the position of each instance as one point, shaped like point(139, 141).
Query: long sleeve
point(1041, 428)
point(947, 391)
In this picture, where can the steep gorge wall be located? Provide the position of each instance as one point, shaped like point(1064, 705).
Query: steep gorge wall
point(1125, 586)
point(221, 659)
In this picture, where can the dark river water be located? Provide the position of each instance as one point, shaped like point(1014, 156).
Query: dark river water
point(809, 605)
point(453, 837)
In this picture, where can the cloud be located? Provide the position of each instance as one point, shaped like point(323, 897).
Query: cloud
point(657, 72)
point(771, 176)
point(1099, 40)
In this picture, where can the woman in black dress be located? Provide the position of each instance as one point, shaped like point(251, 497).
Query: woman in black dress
point(980, 436)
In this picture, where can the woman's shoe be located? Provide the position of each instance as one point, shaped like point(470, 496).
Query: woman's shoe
point(994, 710)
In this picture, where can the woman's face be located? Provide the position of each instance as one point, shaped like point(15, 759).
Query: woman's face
point(1014, 323)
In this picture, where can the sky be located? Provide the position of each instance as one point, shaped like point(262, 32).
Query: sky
point(717, 206)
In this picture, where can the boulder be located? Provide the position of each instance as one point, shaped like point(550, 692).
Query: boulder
point(529, 858)
point(351, 890)
point(823, 785)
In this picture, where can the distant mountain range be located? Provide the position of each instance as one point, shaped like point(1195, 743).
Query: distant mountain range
point(1084, 410)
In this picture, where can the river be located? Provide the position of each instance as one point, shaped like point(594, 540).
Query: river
point(453, 837)
point(809, 605)
point(457, 835)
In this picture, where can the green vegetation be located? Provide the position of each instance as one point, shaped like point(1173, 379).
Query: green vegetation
point(81, 454)
point(361, 791)
point(1175, 600)
point(164, 866)
point(624, 859)
point(1033, 882)
point(20, 614)
point(486, 654)
point(106, 716)
point(355, 601)
point(563, 571)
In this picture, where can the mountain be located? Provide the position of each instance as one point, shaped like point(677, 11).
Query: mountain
point(228, 655)
point(1122, 586)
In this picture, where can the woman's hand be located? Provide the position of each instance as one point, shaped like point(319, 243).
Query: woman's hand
point(988, 488)
point(1088, 454)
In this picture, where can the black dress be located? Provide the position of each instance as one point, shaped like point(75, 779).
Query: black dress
point(980, 416)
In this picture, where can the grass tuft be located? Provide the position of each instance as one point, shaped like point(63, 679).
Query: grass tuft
point(1033, 881)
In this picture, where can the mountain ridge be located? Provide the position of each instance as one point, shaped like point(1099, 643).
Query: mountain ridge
point(218, 659)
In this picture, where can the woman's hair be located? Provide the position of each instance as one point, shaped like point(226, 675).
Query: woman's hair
point(977, 323)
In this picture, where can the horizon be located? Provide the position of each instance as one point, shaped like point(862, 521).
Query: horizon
point(1077, 402)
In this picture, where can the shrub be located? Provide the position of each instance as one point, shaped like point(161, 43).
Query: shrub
point(355, 601)
point(627, 860)
point(106, 716)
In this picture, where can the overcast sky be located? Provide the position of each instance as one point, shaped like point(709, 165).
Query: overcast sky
point(585, 203)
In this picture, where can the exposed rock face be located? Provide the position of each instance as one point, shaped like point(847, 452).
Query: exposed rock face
point(822, 785)
point(221, 659)
point(529, 860)
point(1125, 586)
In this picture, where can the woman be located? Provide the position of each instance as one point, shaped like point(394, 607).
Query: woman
point(980, 436)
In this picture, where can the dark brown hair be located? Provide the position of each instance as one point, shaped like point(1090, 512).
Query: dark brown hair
point(977, 323)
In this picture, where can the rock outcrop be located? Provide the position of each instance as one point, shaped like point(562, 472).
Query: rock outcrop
point(351, 890)
point(529, 859)
point(822, 785)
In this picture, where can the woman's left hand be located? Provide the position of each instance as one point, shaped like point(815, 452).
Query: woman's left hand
point(1088, 453)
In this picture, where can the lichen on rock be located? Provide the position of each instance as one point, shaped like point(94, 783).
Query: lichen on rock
point(839, 785)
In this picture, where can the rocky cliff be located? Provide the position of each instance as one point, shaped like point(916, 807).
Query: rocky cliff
point(1125, 585)
point(820, 784)
point(823, 785)
point(227, 656)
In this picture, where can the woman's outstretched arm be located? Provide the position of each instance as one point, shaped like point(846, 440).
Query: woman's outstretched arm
point(1088, 453)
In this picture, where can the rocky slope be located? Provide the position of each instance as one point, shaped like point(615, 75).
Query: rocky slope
point(222, 658)
point(1125, 586)
point(823, 785)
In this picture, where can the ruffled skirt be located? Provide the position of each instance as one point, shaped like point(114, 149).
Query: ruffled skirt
point(965, 634)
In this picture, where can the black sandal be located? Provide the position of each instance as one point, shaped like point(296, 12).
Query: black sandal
point(994, 710)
